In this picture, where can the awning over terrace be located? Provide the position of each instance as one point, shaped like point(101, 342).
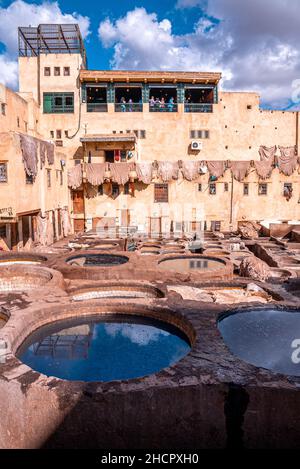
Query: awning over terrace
point(109, 138)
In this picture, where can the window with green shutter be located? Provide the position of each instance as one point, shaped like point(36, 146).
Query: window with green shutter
point(58, 103)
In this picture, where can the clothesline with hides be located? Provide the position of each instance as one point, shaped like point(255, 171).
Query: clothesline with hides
point(32, 148)
point(166, 171)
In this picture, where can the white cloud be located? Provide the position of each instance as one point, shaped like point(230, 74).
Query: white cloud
point(140, 335)
point(20, 13)
point(254, 44)
point(8, 71)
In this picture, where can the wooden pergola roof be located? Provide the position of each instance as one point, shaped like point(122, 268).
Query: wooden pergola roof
point(146, 76)
point(128, 137)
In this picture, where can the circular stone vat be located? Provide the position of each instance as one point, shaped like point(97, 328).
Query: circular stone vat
point(190, 263)
point(149, 245)
point(149, 252)
point(3, 319)
point(97, 260)
point(28, 259)
point(20, 277)
point(118, 291)
point(267, 338)
point(104, 348)
point(214, 246)
point(104, 246)
point(172, 247)
point(219, 252)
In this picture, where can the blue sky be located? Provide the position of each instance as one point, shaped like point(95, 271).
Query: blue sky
point(254, 44)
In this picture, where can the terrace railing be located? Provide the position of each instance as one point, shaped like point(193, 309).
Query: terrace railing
point(198, 107)
point(128, 107)
point(96, 107)
point(167, 107)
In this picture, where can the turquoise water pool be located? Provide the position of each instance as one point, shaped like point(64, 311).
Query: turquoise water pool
point(105, 348)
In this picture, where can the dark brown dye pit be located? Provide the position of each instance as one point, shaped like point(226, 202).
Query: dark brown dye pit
point(98, 260)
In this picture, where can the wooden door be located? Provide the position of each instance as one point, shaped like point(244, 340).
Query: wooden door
point(78, 202)
point(155, 226)
point(78, 225)
point(125, 217)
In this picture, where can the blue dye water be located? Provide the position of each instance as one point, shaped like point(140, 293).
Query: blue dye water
point(265, 338)
point(115, 348)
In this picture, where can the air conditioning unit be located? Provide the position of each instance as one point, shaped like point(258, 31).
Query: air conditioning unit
point(196, 145)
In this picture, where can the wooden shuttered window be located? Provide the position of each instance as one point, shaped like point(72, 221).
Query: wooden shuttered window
point(161, 193)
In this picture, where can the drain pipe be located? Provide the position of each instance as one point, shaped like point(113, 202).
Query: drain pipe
point(231, 202)
point(297, 132)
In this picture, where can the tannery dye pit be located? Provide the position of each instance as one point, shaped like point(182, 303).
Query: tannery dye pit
point(104, 349)
point(100, 260)
point(268, 338)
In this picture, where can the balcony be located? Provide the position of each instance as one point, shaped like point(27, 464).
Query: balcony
point(198, 107)
point(96, 107)
point(128, 107)
point(168, 107)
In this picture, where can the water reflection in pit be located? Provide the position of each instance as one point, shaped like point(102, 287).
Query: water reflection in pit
point(181, 264)
point(268, 338)
point(104, 349)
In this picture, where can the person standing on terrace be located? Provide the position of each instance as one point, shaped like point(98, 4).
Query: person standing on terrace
point(123, 104)
point(152, 102)
point(171, 104)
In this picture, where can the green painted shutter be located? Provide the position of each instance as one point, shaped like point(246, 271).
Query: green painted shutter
point(180, 93)
point(47, 103)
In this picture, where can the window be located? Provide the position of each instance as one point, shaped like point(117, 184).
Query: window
point(199, 187)
point(18, 121)
point(58, 134)
point(199, 99)
point(61, 178)
point(77, 162)
point(26, 126)
point(226, 187)
point(58, 143)
point(288, 190)
point(48, 177)
point(58, 103)
point(163, 98)
point(100, 189)
point(115, 189)
point(215, 226)
point(96, 98)
point(3, 172)
point(47, 71)
point(29, 178)
point(161, 193)
point(288, 186)
point(212, 188)
point(66, 133)
point(66, 71)
point(128, 98)
point(262, 189)
point(2, 231)
point(199, 134)
point(246, 188)
point(51, 133)
point(3, 109)
point(123, 155)
point(56, 71)
point(126, 188)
